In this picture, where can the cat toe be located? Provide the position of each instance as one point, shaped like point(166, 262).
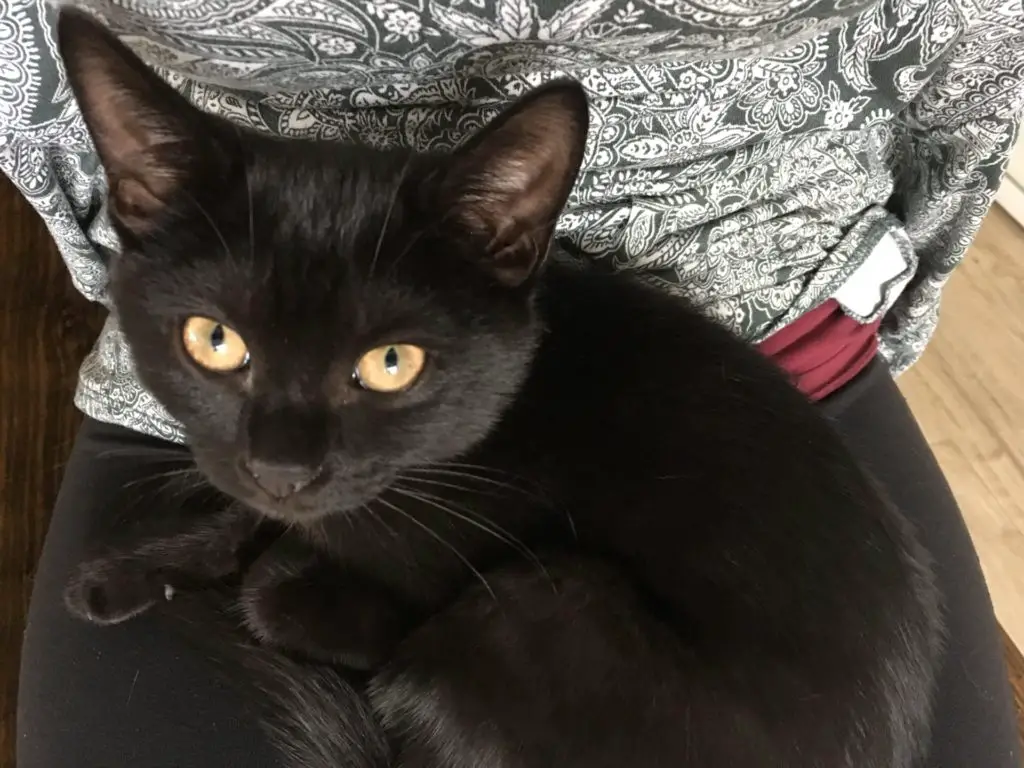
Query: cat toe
point(103, 595)
point(271, 613)
point(295, 617)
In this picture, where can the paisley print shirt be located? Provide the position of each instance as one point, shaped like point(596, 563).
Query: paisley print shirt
point(744, 153)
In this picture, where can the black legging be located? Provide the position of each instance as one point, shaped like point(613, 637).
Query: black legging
point(132, 695)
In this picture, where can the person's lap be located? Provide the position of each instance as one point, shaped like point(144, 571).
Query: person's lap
point(133, 695)
point(974, 723)
point(126, 695)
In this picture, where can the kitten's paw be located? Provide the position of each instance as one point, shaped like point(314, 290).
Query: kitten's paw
point(110, 591)
point(327, 621)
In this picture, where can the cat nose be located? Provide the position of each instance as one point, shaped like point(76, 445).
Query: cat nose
point(281, 480)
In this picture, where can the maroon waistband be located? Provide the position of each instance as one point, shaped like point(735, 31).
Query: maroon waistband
point(823, 349)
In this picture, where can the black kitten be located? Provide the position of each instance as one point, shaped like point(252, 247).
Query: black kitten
point(579, 524)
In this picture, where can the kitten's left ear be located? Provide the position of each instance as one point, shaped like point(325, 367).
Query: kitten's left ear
point(511, 181)
point(147, 135)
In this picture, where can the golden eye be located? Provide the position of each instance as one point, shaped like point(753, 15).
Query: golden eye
point(213, 345)
point(391, 368)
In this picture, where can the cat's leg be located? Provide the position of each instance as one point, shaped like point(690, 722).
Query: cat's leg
point(127, 579)
point(559, 668)
point(301, 601)
point(572, 669)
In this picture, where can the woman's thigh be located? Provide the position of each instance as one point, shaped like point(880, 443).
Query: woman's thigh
point(974, 725)
point(128, 695)
point(134, 695)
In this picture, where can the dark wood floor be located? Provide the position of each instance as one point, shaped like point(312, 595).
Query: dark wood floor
point(45, 330)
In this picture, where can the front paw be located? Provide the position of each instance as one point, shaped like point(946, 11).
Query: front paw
point(112, 590)
point(322, 615)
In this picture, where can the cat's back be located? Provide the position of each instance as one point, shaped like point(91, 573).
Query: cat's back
point(687, 458)
point(618, 343)
point(636, 395)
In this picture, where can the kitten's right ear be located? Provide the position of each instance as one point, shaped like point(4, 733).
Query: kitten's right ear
point(509, 183)
point(146, 133)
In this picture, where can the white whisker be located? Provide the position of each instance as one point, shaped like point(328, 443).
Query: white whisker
point(213, 225)
point(476, 520)
point(441, 540)
point(387, 220)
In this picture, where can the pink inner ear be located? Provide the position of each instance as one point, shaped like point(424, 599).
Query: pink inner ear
point(133, 203)
point(526, 167)
point(129, 136)
point(128, 131)
point(131, 114)
point(516, 262)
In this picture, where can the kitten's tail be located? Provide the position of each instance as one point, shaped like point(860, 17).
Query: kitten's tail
point(311, 714)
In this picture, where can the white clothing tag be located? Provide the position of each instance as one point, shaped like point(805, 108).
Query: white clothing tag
point(877, 282)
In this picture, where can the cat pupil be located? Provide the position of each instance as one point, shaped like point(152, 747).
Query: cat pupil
point(217, 337)
point(391, 361)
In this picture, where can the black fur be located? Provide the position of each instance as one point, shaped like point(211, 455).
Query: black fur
point(598, 530)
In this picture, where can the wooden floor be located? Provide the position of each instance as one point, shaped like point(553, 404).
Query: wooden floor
point(965, 392)
point(968, 394)
point(45, 330)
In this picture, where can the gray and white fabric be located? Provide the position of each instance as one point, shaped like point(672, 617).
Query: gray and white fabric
point(746, 153)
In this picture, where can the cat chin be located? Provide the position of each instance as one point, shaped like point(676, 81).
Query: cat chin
point(290, 514)
point(303, 509)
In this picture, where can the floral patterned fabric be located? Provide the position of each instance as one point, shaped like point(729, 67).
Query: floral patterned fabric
point(744, 153)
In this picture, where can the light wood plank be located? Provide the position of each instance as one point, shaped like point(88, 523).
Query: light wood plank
point(968, 394)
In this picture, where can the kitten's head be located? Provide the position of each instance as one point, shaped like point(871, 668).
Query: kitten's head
point(321, 317)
